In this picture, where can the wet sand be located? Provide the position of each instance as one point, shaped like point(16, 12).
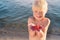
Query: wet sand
point(22, 35)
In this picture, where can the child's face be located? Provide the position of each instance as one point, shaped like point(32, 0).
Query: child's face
point(38, 13)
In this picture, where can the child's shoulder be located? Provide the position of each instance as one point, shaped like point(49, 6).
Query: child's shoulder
point(47, 19)
point(31, 19)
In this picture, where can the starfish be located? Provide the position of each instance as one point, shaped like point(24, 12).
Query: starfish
point(36, 28)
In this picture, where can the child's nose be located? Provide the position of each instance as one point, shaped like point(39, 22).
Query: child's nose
point(40, 11)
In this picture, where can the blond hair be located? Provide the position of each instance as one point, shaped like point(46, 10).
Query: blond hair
point(39, 5)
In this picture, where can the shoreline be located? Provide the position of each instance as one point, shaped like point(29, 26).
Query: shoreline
point(21, 35)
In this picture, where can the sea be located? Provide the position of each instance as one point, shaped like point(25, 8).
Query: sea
point(15, 13)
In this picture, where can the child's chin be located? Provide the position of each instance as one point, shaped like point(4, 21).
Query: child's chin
point(38, 17)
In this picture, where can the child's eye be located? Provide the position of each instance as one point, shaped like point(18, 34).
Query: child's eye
point(35, 11)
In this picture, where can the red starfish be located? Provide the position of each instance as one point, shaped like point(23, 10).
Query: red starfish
point(36, 28)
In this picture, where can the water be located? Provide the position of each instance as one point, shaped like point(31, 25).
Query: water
point(16, 12)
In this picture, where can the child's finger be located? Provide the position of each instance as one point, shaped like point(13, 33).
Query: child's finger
point(40, 33)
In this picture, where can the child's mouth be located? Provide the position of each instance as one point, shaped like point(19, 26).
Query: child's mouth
point(39, 16)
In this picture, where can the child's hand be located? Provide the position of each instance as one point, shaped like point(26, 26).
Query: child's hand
point(35, 32)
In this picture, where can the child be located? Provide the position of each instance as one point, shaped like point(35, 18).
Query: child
point(38, 24)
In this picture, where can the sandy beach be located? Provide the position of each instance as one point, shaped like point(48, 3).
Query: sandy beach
point(22, 35)
point(52, 37)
